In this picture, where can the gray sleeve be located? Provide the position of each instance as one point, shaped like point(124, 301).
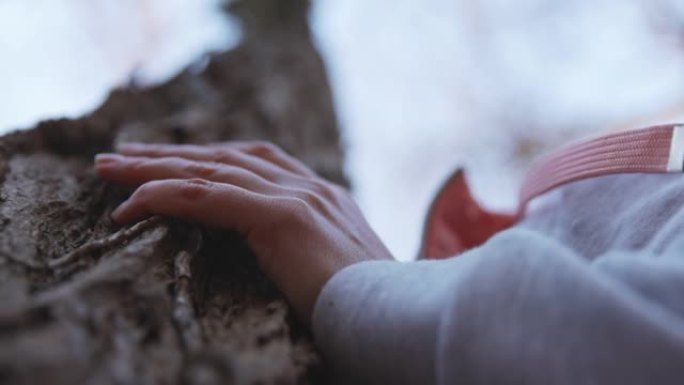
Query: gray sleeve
point(519, 310)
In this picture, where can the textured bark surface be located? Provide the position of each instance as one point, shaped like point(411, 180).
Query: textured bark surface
point(163, 302)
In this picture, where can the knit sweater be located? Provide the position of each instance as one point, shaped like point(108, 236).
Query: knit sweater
point(587, 289)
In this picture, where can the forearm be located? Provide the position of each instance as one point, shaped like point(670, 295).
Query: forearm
point(377, 322)
point(521, 309)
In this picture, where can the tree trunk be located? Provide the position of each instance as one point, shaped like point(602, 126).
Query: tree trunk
point(163, 301)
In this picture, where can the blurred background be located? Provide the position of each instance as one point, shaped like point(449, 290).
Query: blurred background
point(420, 86)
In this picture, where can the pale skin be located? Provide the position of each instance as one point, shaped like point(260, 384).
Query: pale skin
point(302, 228)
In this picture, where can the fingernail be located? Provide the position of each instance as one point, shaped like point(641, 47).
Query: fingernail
point(108, 158)
point(116, 214)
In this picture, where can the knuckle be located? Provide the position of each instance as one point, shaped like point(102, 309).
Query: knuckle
point(220, 155)
point(201, 169)
point(136, 164)
point(322, 189)
point(308, 196)
point(194, 189)
point(234, 172)
point(145, 192)
point(313, 199)
point(297, 209)
point(265, 148)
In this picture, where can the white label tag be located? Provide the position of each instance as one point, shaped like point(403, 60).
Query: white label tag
point(676, 161)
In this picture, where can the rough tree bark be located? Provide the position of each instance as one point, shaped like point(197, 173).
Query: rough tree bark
point(161, 302)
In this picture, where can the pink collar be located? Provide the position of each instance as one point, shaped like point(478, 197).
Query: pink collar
point(658, 149)
point(456, 222)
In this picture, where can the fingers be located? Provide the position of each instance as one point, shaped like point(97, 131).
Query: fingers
point(203, 153)
point(260, 157)
point(211, 203)
point(230, 186)
point(133, 170)
point(274, 154)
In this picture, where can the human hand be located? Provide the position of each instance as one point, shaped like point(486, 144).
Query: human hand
point(301, 228)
